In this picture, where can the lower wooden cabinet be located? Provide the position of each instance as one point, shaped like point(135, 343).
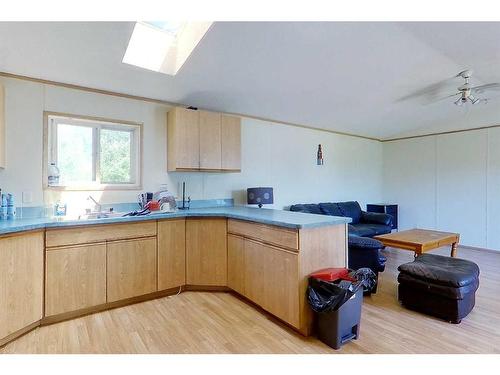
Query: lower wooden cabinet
point(21, 282)
point(280, 277)
point(266, 275)
point(236, 263)
point(171, 253)
point(206, 251)
point(75, 278)
point(131, 268)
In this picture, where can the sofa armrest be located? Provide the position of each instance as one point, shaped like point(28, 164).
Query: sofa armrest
point(365, 252)
point(376, 218)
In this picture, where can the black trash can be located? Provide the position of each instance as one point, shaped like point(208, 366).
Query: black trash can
point(338, 310)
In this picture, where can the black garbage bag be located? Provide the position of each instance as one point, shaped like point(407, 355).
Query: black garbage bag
point(325, 296)
point(366, 277)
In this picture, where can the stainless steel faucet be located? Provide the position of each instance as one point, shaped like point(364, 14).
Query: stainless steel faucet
point(98, 206)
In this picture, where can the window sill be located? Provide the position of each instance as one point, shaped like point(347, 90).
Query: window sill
point(102, 187)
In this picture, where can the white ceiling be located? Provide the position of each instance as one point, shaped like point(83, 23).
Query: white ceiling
point(348, 77)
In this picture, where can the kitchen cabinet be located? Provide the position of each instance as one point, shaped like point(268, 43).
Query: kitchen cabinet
point(2, 126)
point(206, 251)
point(199, 140)
point(281, 282)
point(171, 253)
point(236, 263)
point(75, 278)
point(266, 275)
point(21, 283)
point(131, 268)
point(230, 142)
point(270, 265)
point(210, 140)
point(183, 139)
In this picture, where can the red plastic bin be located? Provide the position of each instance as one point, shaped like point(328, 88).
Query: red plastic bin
point(332, 274)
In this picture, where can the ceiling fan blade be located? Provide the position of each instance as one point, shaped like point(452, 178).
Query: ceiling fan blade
point(488, 86)
point(432, 91)
point(444, 97)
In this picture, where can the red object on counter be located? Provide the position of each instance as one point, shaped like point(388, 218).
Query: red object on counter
point(332, 274)
point(153, 205)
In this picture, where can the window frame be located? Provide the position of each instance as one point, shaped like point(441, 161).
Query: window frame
point(52, 119)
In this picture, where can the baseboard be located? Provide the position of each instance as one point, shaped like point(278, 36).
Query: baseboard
point(481, 249)
point(206, 288)
point(47, 320)
point(15, 335)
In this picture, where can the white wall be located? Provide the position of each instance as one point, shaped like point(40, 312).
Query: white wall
point(447, 182)
point(272, 154)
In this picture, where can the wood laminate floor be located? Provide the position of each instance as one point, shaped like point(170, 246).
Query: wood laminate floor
point(203, 322)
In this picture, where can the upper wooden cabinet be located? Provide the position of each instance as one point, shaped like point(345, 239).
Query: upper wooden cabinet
point(2, 127)
point(210, 140)
point(231, 142)
point(200, 140)
point(183, 139)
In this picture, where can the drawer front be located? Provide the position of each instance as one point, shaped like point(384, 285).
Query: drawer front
point(99, 233)
point(283, 237)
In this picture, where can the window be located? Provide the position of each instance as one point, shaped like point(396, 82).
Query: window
point(163, 46)
point(93, 154)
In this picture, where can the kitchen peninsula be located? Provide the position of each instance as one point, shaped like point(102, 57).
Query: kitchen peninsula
point(54, 270)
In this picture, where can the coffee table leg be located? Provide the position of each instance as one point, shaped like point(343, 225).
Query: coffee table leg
point(454, 246)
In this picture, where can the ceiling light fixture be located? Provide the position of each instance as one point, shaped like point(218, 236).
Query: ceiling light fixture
point(163, 46)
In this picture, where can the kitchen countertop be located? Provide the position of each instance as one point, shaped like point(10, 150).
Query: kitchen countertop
point(287, 219)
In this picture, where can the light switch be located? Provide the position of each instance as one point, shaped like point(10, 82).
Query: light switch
point(27, 196)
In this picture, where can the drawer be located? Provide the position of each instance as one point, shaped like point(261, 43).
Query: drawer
point(283, 237)
point(99, 233)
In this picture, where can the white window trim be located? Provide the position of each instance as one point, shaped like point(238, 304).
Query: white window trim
point(50, 152)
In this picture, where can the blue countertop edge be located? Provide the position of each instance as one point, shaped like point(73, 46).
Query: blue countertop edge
point(286, 219)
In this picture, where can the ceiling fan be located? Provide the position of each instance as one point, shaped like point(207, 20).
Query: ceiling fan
point(468, 92)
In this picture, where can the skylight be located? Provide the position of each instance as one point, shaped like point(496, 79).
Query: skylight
point(163, 46)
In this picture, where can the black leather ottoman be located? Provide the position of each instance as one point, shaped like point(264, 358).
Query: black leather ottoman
point(440, 286)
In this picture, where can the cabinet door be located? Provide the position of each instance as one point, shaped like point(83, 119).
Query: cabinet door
point(206, 252)
point(236, 263)
point(271, 280)
point(254, 268)
point(281, 279)
point(171, 253)
point(210, 140)
point(131, 268)
point(75, 278)
point(231, 142)
point(183, 139)
point(21, 282)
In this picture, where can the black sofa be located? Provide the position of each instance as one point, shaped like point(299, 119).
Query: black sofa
point(364, 224)
point(363, 250)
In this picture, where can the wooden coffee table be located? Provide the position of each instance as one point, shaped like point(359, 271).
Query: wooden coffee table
point(420, 240)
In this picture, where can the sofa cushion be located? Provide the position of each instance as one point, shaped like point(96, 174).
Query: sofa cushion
point(309, 208)
point(331, 209)
point(364, 242)
point(350, 209)
point(369, 230)
point(442, 270)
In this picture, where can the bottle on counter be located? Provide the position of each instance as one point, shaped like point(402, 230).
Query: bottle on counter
point(3, 206)
point(11, 209)
point(53, 174)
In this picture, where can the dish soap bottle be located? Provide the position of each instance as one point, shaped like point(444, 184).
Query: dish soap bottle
point(53, 175)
